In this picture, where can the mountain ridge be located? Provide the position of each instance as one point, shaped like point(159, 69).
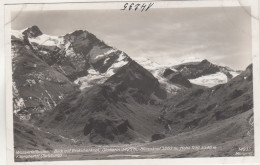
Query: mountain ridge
point(76, 86)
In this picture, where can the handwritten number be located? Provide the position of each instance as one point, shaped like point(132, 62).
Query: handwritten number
point(130, 7)
point(143, 7)
point(134, 6)
point(150, 5)
point(125, 6)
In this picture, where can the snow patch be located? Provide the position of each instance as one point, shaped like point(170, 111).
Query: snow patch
point(17, 34)
point(30, 82)
point(110, 51)
point(43, 52)
point(69, 50)
point(210, 80)
point(100, 56)
point(234, 73)
point(121, 61)
point(106, 60)
point(94, 77)
point(48, 40)
point(18, 101)
point(51, 98)
point(91, 79)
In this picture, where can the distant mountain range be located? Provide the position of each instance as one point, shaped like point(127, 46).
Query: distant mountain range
point(78, 87)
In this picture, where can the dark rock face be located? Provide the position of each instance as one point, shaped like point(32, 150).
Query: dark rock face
point(135, 76)
point(167, 72)
point(32, 32)
point(179, 79)
point(157, 137)
point(104, 130)
point(176, 78)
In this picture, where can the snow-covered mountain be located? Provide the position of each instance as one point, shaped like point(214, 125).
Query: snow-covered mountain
point(46, 68)
point(79, 59)
point(86, 60)
point(205, 73)
point(157, 70)
point(196, 70)
point(79, 55)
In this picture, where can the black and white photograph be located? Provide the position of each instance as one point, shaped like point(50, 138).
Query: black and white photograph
point(137, 81)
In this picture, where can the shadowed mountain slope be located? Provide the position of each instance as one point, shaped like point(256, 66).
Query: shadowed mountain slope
point(123, 109)
point(37, 87)
point(201, 107)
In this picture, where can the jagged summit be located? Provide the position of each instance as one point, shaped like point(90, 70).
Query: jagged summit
point(78, 32)
point(132, 75)
point(205, 61)
point(32, 32)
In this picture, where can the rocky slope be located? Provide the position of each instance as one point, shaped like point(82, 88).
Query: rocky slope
point(37, 87)
point(201, 107)
point(176, 78)
point(130, 98)
point(123, 109)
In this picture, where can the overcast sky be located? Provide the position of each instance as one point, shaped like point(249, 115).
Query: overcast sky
point(221, 35)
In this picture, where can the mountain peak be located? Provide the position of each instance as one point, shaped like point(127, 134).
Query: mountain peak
point(205, 62)
point(32, 31)
point(133, 75)
point(78, 32)
point(250, 67)
point(133, 69)
point(83, 37)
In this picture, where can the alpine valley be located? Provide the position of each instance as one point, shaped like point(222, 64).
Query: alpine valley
point(79, 97)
